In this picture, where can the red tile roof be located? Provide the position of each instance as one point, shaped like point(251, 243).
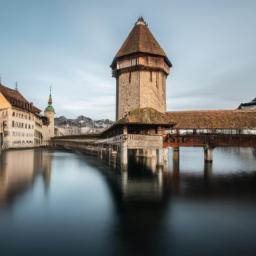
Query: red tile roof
point(16, 99)
point(213, 119)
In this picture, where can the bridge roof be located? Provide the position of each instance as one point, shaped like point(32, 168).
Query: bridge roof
point(213, 119)
point(146, 116)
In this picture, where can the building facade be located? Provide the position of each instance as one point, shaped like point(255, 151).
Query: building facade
point(140, 68)
point(21, 125)
point(248, 105)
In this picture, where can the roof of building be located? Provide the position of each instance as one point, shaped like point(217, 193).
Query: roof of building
point(213, 119)
point(145, 116)
point(16, 99)
point(140, 40)
point(142, 117)
point(49, 108)
point(248, 104)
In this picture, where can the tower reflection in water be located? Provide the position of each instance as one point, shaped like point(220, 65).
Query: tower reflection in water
point(146, 208)
point(19, 170)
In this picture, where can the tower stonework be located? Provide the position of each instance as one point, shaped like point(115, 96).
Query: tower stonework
point(140, 68)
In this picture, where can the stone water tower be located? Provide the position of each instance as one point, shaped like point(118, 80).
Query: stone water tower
point(140, 68)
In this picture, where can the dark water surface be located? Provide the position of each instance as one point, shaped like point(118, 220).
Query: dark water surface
point(64, 203)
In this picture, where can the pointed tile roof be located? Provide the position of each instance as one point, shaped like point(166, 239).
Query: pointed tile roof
point(140, 40)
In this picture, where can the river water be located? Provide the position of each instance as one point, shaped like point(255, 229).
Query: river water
point(56, 202)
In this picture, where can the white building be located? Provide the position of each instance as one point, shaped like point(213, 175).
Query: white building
point(248, 105)
point(21, 125)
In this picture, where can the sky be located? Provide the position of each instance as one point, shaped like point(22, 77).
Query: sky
point(70, 45)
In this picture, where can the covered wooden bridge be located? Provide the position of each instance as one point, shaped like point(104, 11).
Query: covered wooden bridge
point(148, 133)
point(210, 129)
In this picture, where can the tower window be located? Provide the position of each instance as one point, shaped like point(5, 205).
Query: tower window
point(147, 60)
point(133, 62)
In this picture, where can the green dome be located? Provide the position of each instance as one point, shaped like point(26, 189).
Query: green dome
point(49, 108)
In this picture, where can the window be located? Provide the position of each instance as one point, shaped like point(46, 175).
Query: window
point(133, 62)
point(130, 77)
point(151, 79)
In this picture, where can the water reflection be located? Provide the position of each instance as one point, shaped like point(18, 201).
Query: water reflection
point(18, 171)
point(144, 210)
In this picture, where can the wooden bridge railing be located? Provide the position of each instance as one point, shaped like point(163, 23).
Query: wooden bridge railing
point(210, 139)
point(212, 131)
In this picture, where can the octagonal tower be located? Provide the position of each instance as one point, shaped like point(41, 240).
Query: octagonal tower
point(140, 68)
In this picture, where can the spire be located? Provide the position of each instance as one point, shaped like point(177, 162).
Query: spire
point(50, 108)
point(141, 21)
point(50, 97)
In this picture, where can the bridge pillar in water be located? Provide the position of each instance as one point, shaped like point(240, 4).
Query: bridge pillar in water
point(208, 154)
point(109, 155)
point(124, 154)
point(165, 154)
point(161, 156)
point(176, 160)
point(124, 151)
point(207, 170)
point(101, 153)
point(176, 154)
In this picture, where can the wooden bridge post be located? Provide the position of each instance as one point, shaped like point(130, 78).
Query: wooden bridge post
point(109, 155)
point(207, 170)
point(101, 155)
point(208, 154)
point(176, 154)
point(176, 160)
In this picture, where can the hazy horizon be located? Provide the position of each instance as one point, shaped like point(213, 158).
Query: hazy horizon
point(70, 46)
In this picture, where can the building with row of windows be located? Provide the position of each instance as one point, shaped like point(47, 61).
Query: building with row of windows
point(248, 105)
point(21, 123)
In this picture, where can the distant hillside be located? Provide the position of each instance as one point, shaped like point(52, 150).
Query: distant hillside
point(82, 121)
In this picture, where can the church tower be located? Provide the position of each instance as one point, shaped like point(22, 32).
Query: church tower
point(49, 113)
point(140, 68)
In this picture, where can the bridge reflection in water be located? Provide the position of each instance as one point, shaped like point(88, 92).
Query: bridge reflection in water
point(155, 209)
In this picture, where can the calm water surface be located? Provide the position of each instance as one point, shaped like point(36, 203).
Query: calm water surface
point(66, 203)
